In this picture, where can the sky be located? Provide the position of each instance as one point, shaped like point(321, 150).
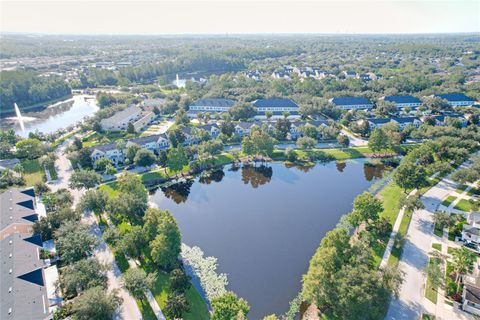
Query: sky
point(233, 16)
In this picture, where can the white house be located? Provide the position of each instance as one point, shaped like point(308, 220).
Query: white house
point(471, 229)
point(404, 101)
point(277, 107)
point(456, 99)
point(471, 299)
point(352, 103)
point(244, 128)
point(210, 105)
point(405, 121)
point(119, 121)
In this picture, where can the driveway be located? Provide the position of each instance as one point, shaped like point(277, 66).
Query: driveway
point(411, 302)
point(354, 140)
point(129, 309)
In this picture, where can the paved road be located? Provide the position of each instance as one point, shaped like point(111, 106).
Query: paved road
point(354, 140)
point(129, 309)
point(411, 301)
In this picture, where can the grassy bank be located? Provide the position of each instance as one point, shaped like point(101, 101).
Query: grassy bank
point(33, 172)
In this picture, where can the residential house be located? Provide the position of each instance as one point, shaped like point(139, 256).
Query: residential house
point(405, 121)
point(210, 105)
point(378, 122)
point(281, 75)
point(133, 114)
point(456, 99)
point(350, 74)
point(244, 128)
point(150, 104)
point(352, 103)
point(296, 127)
point(471, 229)
point(255, 75)
point(471, 299)
point(404, 101)
point(277, 107)
point(212, 129)
point(24, 292)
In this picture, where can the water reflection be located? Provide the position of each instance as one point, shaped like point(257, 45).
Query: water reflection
point(178, 192)
point(372, 171)
point(212, 176)
point(341, 165)
point(256, 176)
point(299, 167)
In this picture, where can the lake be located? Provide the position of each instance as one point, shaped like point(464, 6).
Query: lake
point(264, 224)
point(54, 117)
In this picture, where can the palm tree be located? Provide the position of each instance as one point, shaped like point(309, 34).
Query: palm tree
point(463, 263)
point(286, 114)
point(268, 114)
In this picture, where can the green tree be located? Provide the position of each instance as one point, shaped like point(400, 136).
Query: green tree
point(176, 159)
point(144, 158)
point(130, 128)
point(137, 281)
point(84, 179)
point(242, 111)
point(378, 140)
point(258, 143)
point(28, 148)
point(228, 306)
point(96, 303)
point(306, 143)
point(463, 261)
point(162, 231)
point(74, 241)
point(365, 208)
point(102, 163)
point(410, 176)
point(94, 200)
point(343, 140)
point(82, 275)
point(435, 273)
point(177, 304)
point(179, 281)
point(132, 149)
point(110, 170)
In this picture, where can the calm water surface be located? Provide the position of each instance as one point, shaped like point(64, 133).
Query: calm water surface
point(264, 224)
point(54, 117)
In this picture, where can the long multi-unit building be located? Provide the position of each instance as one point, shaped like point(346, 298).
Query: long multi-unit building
point(352, 103)
point(27, 288)
point(456, 99)
point(404, 101)
point(133, 114)
point(212, 105)
point(277, 107)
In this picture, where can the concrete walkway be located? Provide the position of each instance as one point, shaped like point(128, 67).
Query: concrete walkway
point(393, 235)
point(411, 302)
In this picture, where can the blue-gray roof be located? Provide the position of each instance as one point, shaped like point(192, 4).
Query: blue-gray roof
point(454, 97)
point(266, 103)
point(214, 102)
point(402, 99)
point(405, 119)
point(348, 101)
point(379, 120)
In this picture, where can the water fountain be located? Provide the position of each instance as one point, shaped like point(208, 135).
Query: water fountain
point(178, 82)
point(19, 117)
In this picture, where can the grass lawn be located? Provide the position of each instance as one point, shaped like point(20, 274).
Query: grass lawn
point(427, 316)
point(399, 239)
point(461, 188)
point(430, 291)
point(145, 309)
point(464, 205)
point(391, 196)
point(53, 172)
point(438, 232)
point(198, 309)
point(33, 172)
point(451, 250)
point(106, 137)
point(110, 188)
point(437, 246)
point(473, 192)
point(448, 201)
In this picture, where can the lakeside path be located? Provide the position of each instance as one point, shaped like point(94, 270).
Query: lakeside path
point(411, 302)
point(129, 309)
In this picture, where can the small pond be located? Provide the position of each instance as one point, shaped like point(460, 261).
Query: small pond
point(264, 224)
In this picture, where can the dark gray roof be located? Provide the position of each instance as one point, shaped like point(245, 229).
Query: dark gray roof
point(105, 147)
point(379, 120)
point(454, 97)
point(214, 102)
point(405, 119)
point(16, 207)
point(348, 101)
point(22, 279)
point(246, 125)
point(139, 140)
point(208, 127)
point(265, 103)
point(402, 99)
point(9, 163)
point(472, 293)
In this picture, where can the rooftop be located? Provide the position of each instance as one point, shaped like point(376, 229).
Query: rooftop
point(472, 293)
point(348, 101)
point(282, 103)
point(214, 102)
point(17, 206)
point(454, 97)
point(126, 113)
point(402, 99)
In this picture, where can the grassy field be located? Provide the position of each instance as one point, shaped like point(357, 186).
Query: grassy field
point(448, 201)
point(430, 291)
point(198, 309)
point(464, 205)
point(437, 246)
point(33, 172)
point(399, 239)
point(391, 196)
